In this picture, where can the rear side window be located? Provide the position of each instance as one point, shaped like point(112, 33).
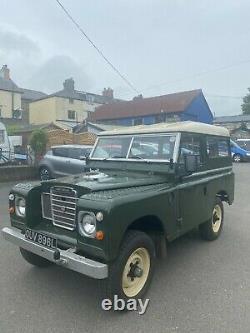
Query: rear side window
point(75, 153)
point(62, 152)
point(217, 147)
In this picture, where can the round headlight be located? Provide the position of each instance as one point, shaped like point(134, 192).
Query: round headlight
point(20, 207)
point(87, 225)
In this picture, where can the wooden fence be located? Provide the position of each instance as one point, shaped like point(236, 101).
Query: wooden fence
point(61, 137)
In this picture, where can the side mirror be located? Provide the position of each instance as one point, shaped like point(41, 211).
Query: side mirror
point(191, 163)
point(82, 158)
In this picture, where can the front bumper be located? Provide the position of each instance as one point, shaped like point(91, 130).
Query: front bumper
point(67, 258)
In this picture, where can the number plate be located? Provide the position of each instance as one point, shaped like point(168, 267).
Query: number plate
point(41, 239)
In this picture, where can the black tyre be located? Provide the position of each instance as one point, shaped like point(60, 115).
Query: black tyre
point(237, 158)
point(131, 273)
point(44, 173)
point(34, 259)
point(211, 229)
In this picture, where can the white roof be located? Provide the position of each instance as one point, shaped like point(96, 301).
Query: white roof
point(184, 126)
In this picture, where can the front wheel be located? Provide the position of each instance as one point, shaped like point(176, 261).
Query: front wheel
point(34, 259)
point(131, 273)
point(237, 158)
point(211, 229)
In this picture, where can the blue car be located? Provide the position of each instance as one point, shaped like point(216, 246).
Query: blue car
point(239, 154)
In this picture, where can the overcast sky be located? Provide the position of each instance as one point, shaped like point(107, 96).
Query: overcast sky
point(161, 46)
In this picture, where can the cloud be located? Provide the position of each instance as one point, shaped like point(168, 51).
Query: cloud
point(16, 44)
point(50, 76)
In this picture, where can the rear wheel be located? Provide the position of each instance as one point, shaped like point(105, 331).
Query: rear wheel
point(131, 273)
point(34, 259)
point(237, 158)
point(45, 173)
point(211, 229)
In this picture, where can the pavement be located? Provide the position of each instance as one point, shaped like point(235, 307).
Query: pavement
point(201, 287)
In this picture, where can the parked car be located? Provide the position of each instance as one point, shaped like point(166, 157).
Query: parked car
point(21, 155)
point(63, 160)
point(6, 147)
point(244, 143)
point(111, 222)
point(239, 154)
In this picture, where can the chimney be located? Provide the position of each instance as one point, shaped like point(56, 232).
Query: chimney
point(69, 84)
point(5, 72)
point(136, 98)
point(108, 92)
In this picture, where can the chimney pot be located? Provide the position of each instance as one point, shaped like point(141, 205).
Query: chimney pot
point(108, 92)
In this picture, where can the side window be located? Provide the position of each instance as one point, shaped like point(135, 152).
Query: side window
point(75, 153)
point(190, 145)
point(223, 148)
point(62, 152)
point(217, 147)
point(85, 152)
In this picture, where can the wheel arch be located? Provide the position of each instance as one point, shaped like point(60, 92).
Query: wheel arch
point(153, 226)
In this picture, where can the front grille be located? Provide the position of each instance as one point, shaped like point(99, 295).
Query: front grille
point(61, 208)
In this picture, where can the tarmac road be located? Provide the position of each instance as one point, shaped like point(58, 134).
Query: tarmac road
point(201, 287)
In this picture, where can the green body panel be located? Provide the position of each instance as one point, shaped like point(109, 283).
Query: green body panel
point(132, 192)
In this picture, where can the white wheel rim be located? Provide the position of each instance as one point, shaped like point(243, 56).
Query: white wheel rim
point(237, 158)
point(216, 218)
point(132, 285)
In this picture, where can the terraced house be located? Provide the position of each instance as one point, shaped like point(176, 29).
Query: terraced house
point(68, 106)
point(15, 101)
point(10, 96)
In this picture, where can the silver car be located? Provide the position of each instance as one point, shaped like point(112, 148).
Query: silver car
point(63, 160)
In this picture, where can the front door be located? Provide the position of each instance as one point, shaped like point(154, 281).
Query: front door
point(192, 188)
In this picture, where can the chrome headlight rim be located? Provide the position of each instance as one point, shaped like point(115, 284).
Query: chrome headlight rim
point(20, 209)
point(84, 223)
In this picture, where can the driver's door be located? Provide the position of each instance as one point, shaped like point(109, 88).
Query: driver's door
point(192, 191)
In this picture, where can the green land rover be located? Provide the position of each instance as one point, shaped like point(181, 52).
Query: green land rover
point(145, 186)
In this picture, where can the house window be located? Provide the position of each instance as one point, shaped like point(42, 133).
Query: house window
point(71, 114)
point(71, 101)
point(17, 114)
point(160, 118)
point(137, 121)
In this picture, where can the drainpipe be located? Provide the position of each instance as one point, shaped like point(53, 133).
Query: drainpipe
point(12, 103)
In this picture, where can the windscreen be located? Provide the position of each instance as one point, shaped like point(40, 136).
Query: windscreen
point(139, 147)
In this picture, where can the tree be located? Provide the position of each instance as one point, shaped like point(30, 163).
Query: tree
point(38, 142)
point(246, 103)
